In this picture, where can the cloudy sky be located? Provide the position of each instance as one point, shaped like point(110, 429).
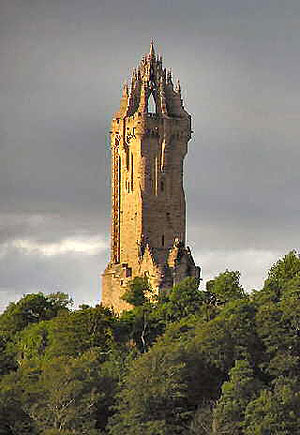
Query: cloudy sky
point(62, 66)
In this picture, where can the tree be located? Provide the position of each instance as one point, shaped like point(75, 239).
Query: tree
point(13, 418)
point(203, 419)
point(7, 356)
point(241, 388)
point(276, 410)
point(59, 395)
point(171, 365)
point(226, 287)
point(32, 308)
point(142, 324)
point(69, 334)
point(137, 292)
point(281, 319)
point(151, 400)
point(285, 270)
point(63, 393)
point(29, 310)
point(182, 300)
point(164, 386)
point(230, 335)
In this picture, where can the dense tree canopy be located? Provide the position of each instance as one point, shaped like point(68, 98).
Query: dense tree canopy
point(189, 361)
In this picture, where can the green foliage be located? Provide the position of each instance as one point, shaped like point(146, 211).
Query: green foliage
point(66, 394)
point(280, 338)
point(29, 310)
point(13, 418)
point(164, 387)
point(73, 334)
point(139, 326)
point(225, 287)
point(68, 334)
point(7, 356)
point(183, 299)
point(186, 361)
point(145, 322)
point(137, 292)
point(203, 419)
point(280, 275)
point(275, 411)
point(229, 336)
point(280, 317)
point(61, 394)
point(236, 394)
point(32, 308)
point(152, 395)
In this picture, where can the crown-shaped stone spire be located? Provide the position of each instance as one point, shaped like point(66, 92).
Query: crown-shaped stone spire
point(151, 82)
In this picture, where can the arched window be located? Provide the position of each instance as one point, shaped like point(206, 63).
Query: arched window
point(151, 104)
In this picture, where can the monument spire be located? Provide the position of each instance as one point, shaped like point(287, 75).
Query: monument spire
point(149, 140)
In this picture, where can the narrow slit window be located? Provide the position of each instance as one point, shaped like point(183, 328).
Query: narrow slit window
point(162, 240)
point(132, 172)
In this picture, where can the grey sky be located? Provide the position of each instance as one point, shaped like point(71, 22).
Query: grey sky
point(62, 66)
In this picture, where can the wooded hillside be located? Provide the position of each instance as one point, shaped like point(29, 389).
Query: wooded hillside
point(217, 361)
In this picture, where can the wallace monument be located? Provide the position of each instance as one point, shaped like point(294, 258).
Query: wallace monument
point(149, 137)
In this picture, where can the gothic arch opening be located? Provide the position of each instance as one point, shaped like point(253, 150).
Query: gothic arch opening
point(151, 104)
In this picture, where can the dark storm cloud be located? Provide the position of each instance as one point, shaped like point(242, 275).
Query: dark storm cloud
point(62, 66)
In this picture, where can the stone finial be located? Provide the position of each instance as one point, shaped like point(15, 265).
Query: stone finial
point(125, 90)
point(152, 51)
point(133, 78)
point(143, 99)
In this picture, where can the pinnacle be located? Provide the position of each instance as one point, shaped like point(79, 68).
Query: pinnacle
point(152, 51)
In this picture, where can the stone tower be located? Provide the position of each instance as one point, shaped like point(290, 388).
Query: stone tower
point(149, 137)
